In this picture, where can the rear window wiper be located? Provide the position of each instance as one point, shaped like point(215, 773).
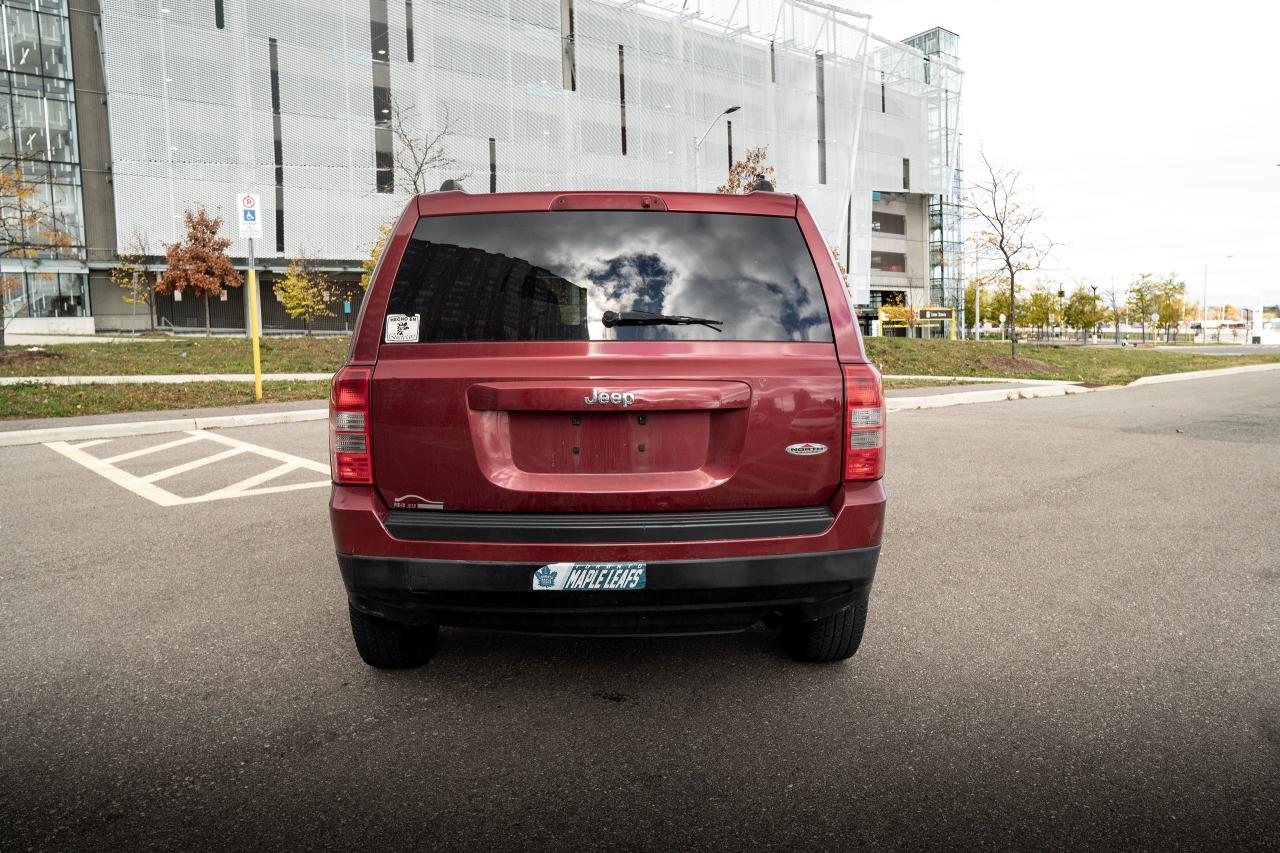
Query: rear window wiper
point(644, 318)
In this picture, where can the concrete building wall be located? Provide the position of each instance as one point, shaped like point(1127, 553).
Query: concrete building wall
point(110, 311)
point(913, 245)
point(94, 139)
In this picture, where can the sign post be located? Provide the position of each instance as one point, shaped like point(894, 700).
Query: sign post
point(251, 228)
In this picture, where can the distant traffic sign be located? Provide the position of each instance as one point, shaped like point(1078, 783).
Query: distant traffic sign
point(250, 218)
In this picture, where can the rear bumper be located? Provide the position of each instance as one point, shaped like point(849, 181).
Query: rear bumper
point(680, 597)
point(363, 524)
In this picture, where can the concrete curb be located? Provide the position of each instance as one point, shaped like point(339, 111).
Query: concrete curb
point(19, 437)
point(163, 379)
point(938, 401)
point(1054, 389)
point(993, 380)
point(1203, 374)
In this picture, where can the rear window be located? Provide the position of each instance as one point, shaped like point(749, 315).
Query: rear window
point(551, 277)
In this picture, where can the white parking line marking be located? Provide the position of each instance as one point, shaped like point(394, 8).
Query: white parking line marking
point(192, 465)
point(268, 490)
point(137, 485)
point(309, 464)
point(256, 479)
point(145, 486)
point(134, 454)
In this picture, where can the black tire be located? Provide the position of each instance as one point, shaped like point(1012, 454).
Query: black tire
point(391, 645)
point(829, 639)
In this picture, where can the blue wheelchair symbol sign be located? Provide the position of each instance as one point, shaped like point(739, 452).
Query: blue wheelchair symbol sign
point(251, 216)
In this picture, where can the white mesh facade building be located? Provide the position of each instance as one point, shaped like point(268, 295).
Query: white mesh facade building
point(210, 98)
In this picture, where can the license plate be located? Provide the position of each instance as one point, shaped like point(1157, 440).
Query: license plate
point(589, 576)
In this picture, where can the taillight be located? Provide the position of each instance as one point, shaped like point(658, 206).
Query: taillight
point(350, 454)
point(863, 423)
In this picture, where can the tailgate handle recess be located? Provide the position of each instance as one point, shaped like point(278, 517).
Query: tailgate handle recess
point(607, 395)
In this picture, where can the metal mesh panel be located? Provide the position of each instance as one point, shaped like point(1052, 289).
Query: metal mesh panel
point(191, 108)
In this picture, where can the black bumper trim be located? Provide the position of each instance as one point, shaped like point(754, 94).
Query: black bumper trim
point(588, 527)
point(715, 573)
point(680, 597)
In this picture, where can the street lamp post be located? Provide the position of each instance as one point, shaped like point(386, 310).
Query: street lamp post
point(977, 313)
point(1094, 288)
point(697, 142)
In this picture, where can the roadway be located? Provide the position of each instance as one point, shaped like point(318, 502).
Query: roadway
point(1072, 644)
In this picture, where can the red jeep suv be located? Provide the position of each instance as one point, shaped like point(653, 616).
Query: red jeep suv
point(606, 413)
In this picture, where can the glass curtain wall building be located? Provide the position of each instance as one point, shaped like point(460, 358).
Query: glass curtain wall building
point(946, 248)
point(42, 259)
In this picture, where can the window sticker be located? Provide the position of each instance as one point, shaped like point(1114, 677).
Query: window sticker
point(402, 328)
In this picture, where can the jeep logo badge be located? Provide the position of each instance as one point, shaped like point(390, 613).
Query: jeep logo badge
point(806, 448)
point(600, 397)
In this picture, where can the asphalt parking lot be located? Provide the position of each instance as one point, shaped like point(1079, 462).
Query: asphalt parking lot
point(1072, 644)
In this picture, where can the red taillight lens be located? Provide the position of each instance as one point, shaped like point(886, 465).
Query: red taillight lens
point(351, 389)
point(864, 423)
point(350, 453)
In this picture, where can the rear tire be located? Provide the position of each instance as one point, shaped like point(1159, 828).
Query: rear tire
point(829, 639)
point(390, 645)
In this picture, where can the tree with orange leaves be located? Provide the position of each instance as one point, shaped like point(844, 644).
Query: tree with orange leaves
point(199, 262)
point(743, 173)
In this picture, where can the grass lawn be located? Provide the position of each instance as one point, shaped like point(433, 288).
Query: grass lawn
point(1104, 365)
point(176, 355)
point(55, 401)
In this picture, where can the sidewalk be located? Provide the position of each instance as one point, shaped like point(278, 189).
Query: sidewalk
point(163, 378)
point(33, 340)
point(934, 398)
point(38, 431)
point(161, 415)
point(938, 390)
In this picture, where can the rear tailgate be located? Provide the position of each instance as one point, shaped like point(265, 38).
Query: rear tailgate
point(472, 429)
point(498, 388)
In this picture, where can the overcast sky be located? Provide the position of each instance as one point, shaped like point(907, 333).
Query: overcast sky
point(1148, 133)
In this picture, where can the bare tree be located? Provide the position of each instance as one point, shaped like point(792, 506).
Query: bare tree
point(132, 276)
point(1006, 242)
point(419, 157)
point(1115, 308)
